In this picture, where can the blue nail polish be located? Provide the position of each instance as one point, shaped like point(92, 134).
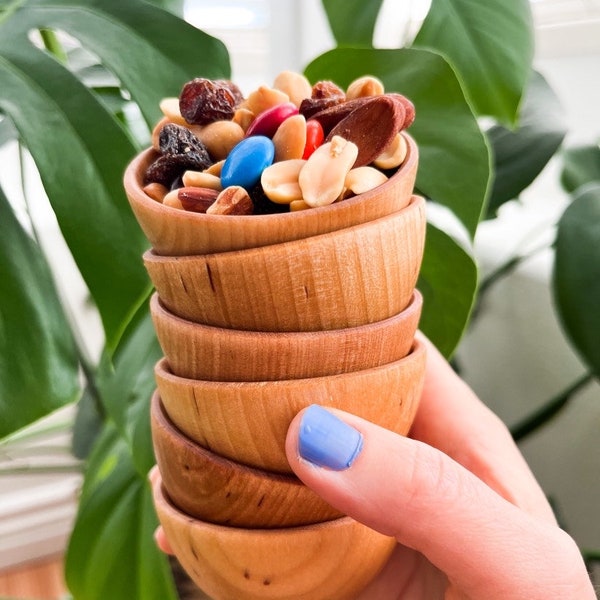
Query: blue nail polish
point(326, 441)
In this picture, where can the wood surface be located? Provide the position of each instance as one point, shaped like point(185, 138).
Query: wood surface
point(217, 354)
point(174, 232)
point(206, 486)
point(247, 422)
point(39, 580)
point(328, 561)
point(346, 278)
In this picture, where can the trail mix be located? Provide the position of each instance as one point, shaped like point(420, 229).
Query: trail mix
point(282, 148)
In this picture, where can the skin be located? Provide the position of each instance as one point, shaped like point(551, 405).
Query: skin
point(470, 519)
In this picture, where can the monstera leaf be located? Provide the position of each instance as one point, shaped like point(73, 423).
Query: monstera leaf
point(79, 147)
point(454, 167)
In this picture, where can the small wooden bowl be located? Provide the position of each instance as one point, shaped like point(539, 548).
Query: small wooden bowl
point(345, 278)
point(174, 232)
point(247, 422)
point(216, 354)
point(328, 561)
point(212, 488)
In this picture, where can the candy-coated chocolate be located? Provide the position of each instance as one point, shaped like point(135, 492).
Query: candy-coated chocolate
point(314, 137)
point(267, 122)
point(246, 162)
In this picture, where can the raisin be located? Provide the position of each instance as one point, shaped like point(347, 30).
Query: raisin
point(203, 101)
point(233, 88)
point(181, 150)
point(311, 106)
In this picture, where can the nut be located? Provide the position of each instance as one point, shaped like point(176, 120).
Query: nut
point(156, 191)
point(290, 138)
point(295, 85)
point(363, 87)
point(202, 179)
point(220, 137)
point(215, 169)
point(196, 199)
point(233, 200)
point(322, 177)
point(372, 127)
point(298, 205)
point(393, 156)
point(172, 200)
point(363, 179)
point(280, 181)
point(263, 98)
point(243, 117)
point(170, 108)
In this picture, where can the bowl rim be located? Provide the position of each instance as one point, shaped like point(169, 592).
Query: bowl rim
point(161, 497)
point(133, 183)
point(159, 413)
point(417, 350)
point(415, 304)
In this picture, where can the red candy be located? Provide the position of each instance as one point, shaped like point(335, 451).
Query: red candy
point(314, 137)
point(267, 122)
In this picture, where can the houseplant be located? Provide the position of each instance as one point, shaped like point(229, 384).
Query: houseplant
point(96, 111)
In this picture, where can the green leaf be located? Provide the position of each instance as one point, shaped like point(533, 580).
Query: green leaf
point(126, 387)
point(448, 282)
point(521, 154)
point(111, 552)
point(38, 358)
point(81, 150)
point(352, 22)
point(576, 278)
point(454, 163)
point(491, 46)
point(581, 165)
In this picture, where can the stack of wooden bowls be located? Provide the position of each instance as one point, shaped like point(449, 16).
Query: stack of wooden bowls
point(259, 317)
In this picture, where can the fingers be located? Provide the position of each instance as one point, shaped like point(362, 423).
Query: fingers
point(452, 419)
point(405, 488)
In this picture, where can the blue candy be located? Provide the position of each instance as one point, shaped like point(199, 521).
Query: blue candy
point(246, 162)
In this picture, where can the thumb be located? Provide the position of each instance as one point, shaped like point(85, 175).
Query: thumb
point(404, 488)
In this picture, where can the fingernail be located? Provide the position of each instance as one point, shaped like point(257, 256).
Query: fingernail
point(326, 441)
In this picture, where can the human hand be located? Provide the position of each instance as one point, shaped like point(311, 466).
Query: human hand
point(470, 519)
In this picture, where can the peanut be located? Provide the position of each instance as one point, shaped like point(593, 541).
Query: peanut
point(363, 179)
point(290, 138)
point(280, 181)
point(322, 177)
point(170, 108)
point(172, 200)
point(220, 137)
point(298, 205)
point(264, 97)
point(364, 86)
point(156, 191)
point(215, 169)
point(202, 179)
point(295, 85)
point(243, 117)
point(393, 156)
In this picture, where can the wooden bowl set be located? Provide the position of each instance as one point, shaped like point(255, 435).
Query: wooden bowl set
point(259, 317)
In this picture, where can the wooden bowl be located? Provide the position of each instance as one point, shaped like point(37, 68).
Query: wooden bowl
point(217, 354)
point(247, 422)
point(345, 278)
point(334, 560)
point(212, 488)
point(174, 232)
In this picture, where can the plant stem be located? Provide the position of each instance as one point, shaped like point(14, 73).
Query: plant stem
point(53, 46)
point(549, 410)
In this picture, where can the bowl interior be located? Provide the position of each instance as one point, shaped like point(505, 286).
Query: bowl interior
point(174, 232)
point(248, 421)
point(212, 353)
point(209, 487)
point(328, 561)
